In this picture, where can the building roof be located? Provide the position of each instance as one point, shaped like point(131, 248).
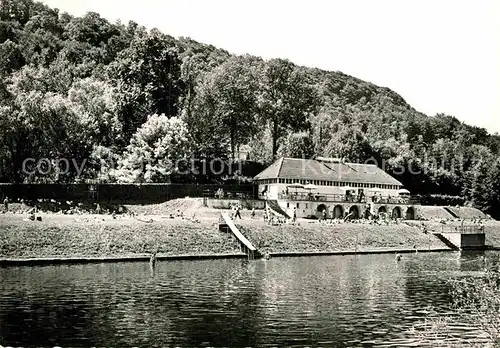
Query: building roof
point(310, 169)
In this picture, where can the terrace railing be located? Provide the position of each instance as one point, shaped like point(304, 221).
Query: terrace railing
point(341, 198)
point(469, 229)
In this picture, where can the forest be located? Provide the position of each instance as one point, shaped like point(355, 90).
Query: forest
point(127, 104)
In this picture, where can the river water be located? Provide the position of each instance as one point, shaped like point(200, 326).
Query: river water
point(307, 301)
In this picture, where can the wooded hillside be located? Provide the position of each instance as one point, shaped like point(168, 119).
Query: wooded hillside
point(128, 103)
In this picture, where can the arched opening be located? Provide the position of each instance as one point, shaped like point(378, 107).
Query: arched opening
point(338, 212)
point(410, 213)
point(320, 209)
point(354, 212)
point(396, 213)
point(382, 209)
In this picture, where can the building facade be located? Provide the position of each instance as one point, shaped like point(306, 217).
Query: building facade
point(310, 186)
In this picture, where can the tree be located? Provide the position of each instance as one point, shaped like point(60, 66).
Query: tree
point(95, 103)
point(147, 74)
point(297, 145)
point(287, 99)
point(11, 58)
point(159, 149)
point(228, 97)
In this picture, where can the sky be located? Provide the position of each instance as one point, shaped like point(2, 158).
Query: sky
point(441, 56)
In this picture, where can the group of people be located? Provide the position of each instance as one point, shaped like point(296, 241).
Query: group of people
point(236, 212)
point(274, 219)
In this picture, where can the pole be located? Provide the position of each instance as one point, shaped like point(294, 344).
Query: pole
point(356, 250)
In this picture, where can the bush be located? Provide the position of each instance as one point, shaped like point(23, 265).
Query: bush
point(436, 199)
point(476, 302)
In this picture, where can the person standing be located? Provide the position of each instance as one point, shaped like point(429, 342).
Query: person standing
point(253, 212)
point(6, 204)
point(237, 212)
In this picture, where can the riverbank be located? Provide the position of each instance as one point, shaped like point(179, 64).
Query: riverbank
point(96, 238)
point(127, 237)
point(102, 236)
point(312, 237)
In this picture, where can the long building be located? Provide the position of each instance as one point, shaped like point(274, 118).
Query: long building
point(311, 186)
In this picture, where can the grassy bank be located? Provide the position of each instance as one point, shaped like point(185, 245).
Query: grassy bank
point(61, 236)
point(88, 236)
point(315, 237)
point(102, 236)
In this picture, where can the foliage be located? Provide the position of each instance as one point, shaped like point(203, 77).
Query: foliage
point(81, 87)
point(476, 303)
point(158, 150)
point(226, 102)
point(296, 145)
point(287, 99)
point(437, 199)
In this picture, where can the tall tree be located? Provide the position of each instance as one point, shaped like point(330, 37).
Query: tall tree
point(287, 99)
point(148, 78)
point(229, 94)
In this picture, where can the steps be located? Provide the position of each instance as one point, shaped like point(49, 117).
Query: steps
point(275, 207)
point(446, 241)
point(452, 213)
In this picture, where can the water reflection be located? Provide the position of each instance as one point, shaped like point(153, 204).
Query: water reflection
point(341, 301)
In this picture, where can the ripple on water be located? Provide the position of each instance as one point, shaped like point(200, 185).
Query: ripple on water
point(321, 301)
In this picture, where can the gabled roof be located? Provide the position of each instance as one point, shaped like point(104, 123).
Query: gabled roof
point(273, 171)
point(309, 169)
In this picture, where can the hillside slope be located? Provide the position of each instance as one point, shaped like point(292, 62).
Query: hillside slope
point(101, 82)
